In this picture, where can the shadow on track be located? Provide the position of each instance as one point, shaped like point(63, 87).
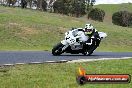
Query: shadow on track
point(77, 55)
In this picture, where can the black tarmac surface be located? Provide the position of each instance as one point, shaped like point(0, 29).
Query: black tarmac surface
point(13, 57)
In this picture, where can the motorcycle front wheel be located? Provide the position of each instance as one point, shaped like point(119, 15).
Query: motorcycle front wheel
point(87, 53)
point(57, 50)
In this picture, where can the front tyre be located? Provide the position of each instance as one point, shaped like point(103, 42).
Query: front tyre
point(87, 53)
point(57, 50)
point(88, 50)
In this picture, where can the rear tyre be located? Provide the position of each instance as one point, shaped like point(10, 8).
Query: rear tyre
point(57, 50)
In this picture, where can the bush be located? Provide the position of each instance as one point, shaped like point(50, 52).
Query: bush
point(122, 18)
point(96, 14)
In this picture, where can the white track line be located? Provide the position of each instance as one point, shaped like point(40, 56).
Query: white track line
point(86, 60)
point(8, 64)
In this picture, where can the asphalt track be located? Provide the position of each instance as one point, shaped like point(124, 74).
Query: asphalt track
point(13, 57)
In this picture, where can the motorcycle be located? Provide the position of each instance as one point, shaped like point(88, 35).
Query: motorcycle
point(75, 44)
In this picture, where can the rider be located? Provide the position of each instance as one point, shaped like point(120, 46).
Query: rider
point(90, 31)
point(88, 35)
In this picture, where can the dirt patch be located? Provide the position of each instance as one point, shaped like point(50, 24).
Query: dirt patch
point(62, 30)
point(29, 31)
point(14, 24)
point(108, 19)
point(3, 11)
point(25, 32)
point(75, 21)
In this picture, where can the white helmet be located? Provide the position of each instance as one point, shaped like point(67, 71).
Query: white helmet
point(88, 28)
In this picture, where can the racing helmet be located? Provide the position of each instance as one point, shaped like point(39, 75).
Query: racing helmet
point(88, 29)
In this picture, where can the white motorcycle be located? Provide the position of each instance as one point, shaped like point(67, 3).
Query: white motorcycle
point(75, 43)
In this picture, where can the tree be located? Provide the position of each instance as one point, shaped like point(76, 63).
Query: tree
point(70, 7)
point(11, 2)
point(79, 8)
point(29, 2)
point(92, 2)
point(42, 5)
point(89, 5)
point(23, 3)
point(58, 6)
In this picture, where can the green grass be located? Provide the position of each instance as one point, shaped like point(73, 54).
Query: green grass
point(31, 30)
point(112, 8)
point(23, 29)
point(61, 75)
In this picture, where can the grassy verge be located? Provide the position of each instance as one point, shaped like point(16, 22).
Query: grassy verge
point(22, 29)
point(61, 75)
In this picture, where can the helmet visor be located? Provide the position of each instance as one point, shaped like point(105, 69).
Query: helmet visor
point(88, 31)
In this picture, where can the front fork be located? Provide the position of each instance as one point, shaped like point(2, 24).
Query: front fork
point(65, 45)
point(64, 48)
